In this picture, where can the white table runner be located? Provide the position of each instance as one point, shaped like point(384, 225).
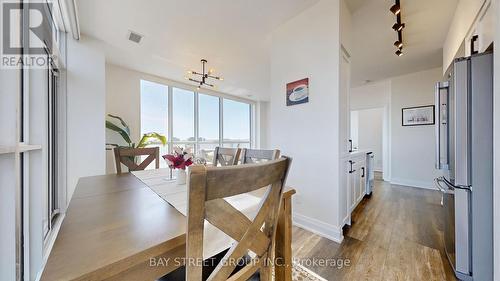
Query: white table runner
point(215, 241)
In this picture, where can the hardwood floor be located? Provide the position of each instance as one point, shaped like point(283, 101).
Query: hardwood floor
point(397, 234)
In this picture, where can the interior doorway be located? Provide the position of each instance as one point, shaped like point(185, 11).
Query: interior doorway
point(367, 133)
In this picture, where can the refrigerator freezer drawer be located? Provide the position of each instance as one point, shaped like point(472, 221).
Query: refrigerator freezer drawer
point(457, 227)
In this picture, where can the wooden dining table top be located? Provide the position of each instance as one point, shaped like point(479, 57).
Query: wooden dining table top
point(116, 224)
point(113, 223)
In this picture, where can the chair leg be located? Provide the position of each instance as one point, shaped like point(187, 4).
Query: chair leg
point(265, 271)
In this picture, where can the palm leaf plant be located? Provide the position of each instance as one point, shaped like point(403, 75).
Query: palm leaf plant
point(122, 128)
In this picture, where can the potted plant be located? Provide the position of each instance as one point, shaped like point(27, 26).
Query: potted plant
point(124, 131)
point(179, 160)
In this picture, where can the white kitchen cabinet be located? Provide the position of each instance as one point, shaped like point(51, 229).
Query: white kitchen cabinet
point(486, 28)
point(482, 30)
point(356, 182)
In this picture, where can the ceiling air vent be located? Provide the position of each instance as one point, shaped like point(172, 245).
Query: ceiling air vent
point(134, 37)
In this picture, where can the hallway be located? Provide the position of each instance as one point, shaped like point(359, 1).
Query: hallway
point(396, 234)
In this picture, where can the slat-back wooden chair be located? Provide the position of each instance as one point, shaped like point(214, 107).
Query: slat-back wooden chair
point(249, 156)
point(226, 156)
point(207, 187)
point(127, 155)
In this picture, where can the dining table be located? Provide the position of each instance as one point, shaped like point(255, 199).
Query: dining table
point(130, 227)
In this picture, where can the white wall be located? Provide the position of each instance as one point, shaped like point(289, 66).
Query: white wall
point(263, 130)
point(308, 45)
point(412, 148)
point(85, 111)
point(465, 15)
point(372, 95)
point(123, 87)
point(370, 124)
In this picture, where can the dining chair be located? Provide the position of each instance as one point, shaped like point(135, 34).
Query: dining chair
point(249, 156)
point(207, 188)
point(226, 156)
point(127, 156)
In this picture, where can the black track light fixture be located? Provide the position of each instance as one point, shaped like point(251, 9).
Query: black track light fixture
point(398, 26)
point(395, 9)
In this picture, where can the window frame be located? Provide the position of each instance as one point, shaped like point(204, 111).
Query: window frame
point(196, 143)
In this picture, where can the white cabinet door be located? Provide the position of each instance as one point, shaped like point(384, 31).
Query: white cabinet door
point(345, 192)
point(354, 185)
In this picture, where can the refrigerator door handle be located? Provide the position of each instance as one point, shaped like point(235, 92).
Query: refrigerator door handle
point(440, 113)
point(444, 190)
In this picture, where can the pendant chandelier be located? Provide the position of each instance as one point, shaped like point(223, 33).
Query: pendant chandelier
point(202, 77)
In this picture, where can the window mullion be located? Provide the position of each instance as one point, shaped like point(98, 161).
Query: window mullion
point(170, 132)
point(221, 121)
point(196, 122)
point(251, 108)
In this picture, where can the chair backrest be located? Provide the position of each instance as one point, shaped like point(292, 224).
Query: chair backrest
point(249, 156)
point(226, 156)
point(208, 186)
point(127, 156)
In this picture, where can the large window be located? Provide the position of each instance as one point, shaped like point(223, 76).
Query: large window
point(154, 112)
point(236, 124)
point(154, 108)
point(182, 116)
point(194, 120)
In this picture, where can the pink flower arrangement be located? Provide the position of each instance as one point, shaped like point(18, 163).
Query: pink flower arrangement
point(179, 159)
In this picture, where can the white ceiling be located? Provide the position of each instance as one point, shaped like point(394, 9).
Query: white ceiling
point(373, 58)
point(233, 35)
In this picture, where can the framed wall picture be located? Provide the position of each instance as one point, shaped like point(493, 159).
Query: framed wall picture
point(297, 92)
point(418, 115)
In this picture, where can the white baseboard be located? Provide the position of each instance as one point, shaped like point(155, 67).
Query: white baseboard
point(346, 220)
point(413, 183)
point(320, 228)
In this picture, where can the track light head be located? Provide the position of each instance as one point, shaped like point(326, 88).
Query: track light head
point(398, 26)
point(395, 9)
point(398, 44)
point(399, 53)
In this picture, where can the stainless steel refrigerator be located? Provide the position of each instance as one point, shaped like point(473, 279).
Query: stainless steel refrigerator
point(464, 154)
